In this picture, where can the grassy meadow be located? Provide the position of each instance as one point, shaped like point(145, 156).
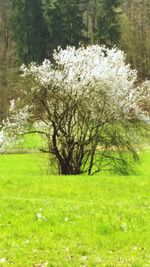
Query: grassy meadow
point(50, 220)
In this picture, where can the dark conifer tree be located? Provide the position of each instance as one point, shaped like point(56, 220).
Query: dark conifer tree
point(108, 30)
point(29, 30)
point(65, 23)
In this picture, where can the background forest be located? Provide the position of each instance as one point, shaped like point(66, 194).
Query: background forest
point(31, 29)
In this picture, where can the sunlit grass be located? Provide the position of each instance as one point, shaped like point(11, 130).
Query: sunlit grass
point(48, 220)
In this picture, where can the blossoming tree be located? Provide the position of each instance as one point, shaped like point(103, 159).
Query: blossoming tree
point(87, 104)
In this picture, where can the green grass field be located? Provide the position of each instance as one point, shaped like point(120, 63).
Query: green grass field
point(65, 221)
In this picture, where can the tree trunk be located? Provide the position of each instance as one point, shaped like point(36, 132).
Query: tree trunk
point(66, 168)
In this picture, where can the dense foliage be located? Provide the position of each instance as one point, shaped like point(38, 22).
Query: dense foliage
point(29, 30)
point(107, 26)
point(65, 23)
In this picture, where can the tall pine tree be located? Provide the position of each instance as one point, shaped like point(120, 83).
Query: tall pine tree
point(29, 30)
point(65, 23)
point(108, 30)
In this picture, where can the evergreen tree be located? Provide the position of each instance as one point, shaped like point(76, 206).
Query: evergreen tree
point(108, 30)
point(29, 30)
point(65, 23)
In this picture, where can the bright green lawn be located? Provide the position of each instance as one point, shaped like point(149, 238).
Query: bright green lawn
point(85, 221)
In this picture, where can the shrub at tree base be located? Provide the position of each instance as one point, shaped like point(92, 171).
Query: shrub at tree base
point(86, 98)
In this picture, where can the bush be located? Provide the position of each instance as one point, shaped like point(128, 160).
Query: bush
point(86, 98)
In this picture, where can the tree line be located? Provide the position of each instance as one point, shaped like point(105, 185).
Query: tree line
point(31, 29)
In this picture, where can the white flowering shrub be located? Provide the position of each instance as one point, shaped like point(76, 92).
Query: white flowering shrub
point(87, 103)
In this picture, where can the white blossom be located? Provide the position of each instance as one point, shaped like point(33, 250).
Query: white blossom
point(78, 71)
point(40, 216)
point(1, 138)
point(3, 260)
